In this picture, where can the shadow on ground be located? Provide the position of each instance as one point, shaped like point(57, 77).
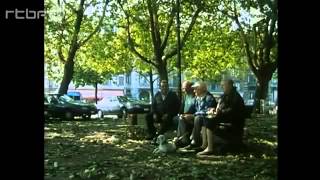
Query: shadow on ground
point(102, 150)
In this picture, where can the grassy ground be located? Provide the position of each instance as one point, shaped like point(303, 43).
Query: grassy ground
point(106, 150)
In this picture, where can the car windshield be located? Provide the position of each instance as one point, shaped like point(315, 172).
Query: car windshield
point(66, 98)
point(125, 99)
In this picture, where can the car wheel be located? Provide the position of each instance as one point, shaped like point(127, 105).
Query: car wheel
point(86, 116)
point(69, 115)
point(100, 115)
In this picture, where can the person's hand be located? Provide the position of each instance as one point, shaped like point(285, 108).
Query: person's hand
point(188, 117)
point(211, 111)
point(217, 111)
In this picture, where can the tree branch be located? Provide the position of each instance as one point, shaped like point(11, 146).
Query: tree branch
point(269, 40)
point(131, 41)
point(61, 37)
point(156, 26)
point(167, 32)
point(154, 35)
point(245, 40)
point(70, 6)
point(187, 33)
point(60, 54)
point(174, 51)
point(98, 25)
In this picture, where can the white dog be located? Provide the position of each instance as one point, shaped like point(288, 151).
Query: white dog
point(164, 146)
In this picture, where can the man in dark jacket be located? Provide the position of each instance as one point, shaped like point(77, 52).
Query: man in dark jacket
point(203, 102)
point(227, 121)
point(165, 106)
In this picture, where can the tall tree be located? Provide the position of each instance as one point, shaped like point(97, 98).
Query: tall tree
point(71, 25)
point(151, 21)
point(256, 22)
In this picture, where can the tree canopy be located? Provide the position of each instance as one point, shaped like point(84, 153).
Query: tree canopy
point(119, 35)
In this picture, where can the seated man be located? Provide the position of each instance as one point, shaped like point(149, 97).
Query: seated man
point(165, 106)
point(227, 121)
point(204, 101)
point(185, 119)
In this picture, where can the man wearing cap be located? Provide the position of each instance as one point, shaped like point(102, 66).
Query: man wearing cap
point(204, 101)
point(165, 106)
point(186, 117)
point(227, 122)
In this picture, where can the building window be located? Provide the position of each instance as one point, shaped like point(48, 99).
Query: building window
point(109, 82)
point(121, 81)
point(128, 79)
point(114, 81)
point(142, 81)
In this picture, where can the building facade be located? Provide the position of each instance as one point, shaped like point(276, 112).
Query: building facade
point(137, 85)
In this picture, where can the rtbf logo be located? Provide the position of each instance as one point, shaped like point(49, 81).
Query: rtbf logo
point(24, 14)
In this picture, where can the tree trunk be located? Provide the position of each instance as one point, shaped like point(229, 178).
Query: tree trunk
point(74, 46)
point(96, 92)
point(67, 77)
point(163, 73)
point(151, 85)
point(263, 77)
point(178, 51)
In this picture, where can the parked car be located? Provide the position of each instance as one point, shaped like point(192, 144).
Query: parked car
point(121, 106)
point(75, 95)
point(63, 106)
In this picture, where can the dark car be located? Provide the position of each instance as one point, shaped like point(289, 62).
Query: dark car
point(121, 106)
point(75, 95)
point(63, 106)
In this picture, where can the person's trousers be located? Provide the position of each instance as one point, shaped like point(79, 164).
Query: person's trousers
point(226, 132)
point(165, 125)
point(196, 132)
point(184, 128)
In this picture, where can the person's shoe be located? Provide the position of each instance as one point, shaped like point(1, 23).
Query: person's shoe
point(198, 149)
point(205, 153)
point(181, 144)
point(192, 147)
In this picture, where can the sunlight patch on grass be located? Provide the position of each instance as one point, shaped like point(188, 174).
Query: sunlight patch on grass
point(122, 125)
point(135, 141)
point(99, 137)
point(64, 134)
point(51, 135)
point(98, 125)
point(263, 141)
point(115, 131)
point(211, 162)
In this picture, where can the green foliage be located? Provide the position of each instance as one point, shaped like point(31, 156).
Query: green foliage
point(212, 51)
point(102, 56)
point(214, 47)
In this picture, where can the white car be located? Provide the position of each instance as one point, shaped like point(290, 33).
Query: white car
point(109, 105)
point(122, 106)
